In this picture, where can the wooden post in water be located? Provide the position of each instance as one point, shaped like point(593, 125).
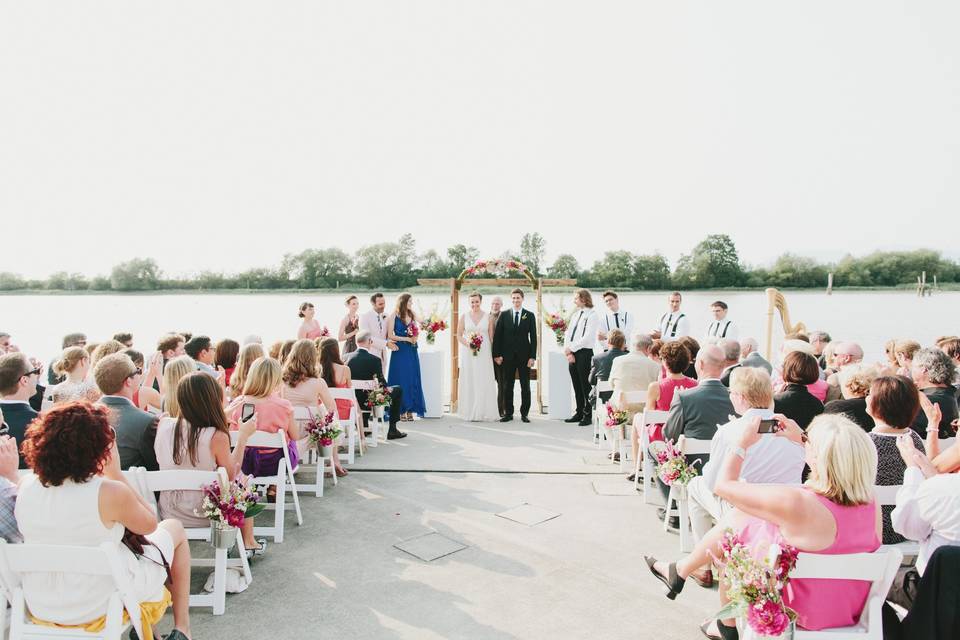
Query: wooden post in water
point(829, 284)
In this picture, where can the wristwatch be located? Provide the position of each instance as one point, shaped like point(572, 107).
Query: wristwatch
point(740, 451)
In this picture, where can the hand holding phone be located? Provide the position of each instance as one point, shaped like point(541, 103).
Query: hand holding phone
point(768, 426)
point(247, 411)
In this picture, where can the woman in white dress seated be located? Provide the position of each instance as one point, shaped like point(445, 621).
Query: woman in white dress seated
point(477, 395)
point(77, 496)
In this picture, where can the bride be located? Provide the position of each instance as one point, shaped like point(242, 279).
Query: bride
point(478, 387)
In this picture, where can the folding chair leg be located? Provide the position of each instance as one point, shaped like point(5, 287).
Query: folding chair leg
point(244, 563)
point(636, 472)
point(667, 510)
point(296, 497)
point(220, 582)
point(686, 536)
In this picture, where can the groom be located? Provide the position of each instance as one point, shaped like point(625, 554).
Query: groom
point(515, 350)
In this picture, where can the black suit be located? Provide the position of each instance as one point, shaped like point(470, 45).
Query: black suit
point(600, 367)
point(18, 416)
point(515, 340)
point(364, 365)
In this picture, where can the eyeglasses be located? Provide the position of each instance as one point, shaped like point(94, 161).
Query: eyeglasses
point(32, 372)
point(136, 372)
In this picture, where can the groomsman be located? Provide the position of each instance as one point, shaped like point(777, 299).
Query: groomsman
point(674, 323)
point(496, 305)
point(580, 339)
point(614, 319)
point(375, 322)
point(721, 328)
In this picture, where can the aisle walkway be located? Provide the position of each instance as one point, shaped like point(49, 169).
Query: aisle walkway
point(579, 574)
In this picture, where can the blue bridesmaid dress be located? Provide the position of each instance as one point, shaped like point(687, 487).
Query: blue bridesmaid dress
point(405, 373)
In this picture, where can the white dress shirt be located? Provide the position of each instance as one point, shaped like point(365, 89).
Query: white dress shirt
point(773, 460)
point(673, 326)
point(622, 320)
point(723, 329)
point(928, 511)
point(376, 324)
point(582, 332)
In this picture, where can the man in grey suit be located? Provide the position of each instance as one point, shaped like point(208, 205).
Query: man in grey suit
point(749, 357)
point(696, 412)
point(602, 363)
point(118, 378)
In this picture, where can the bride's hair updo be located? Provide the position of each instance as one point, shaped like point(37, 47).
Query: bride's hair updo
point(475, 294)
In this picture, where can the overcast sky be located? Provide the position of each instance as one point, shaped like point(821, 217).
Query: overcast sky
point(225, 134)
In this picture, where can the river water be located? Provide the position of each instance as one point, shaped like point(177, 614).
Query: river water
point(37, 322)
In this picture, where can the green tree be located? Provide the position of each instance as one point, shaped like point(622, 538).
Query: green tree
point(459, 257)
point(11, 281)
point(139, 274)
point(387, 264)
point(712, 263)
point(316, 268)
point(64, 281)
point(565, 266)
point(795, 271)
point(651, 272)
point(532, 251)
point(615, 269)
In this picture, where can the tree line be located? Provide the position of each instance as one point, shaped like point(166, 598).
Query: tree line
point(713, 263)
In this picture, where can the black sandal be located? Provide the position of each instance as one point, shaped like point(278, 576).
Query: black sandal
point(672, 581)
point(704, 630)
point(728, 633)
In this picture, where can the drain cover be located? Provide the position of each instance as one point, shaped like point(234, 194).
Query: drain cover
point(430, 547)
point(528, 514)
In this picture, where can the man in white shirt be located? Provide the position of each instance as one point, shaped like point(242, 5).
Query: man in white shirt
point(721, 328)
point(674, 323)
point(776, 461)
point(375, 321)
point(579, 341)
point(615, 318)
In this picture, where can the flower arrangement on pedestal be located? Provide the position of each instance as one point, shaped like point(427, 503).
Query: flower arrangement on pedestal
point(433, 323)
point(378, 399)
point(558, 323)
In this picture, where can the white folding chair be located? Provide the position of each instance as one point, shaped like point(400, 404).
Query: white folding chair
point(620, 442)
point(640, 422)
point(19, 559)
point(303, 415)
point(283, 480)
point(879, 568)
point(352, 425)
point(600, 413)
point(689, 446)
point(193, 480)
point(887, 496)
point(376, 424)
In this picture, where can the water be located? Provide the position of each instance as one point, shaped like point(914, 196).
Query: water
point(37, 322)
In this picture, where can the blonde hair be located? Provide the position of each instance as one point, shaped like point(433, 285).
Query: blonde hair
point(856, 378)
point(104, 349)
point(248, 354)
point(69, 359)
point(907, 348)
point(754, 385)
point(845, 460)
point(176, 369)
point(263, 379)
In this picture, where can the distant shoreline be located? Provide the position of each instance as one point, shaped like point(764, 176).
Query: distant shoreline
point(944, 287)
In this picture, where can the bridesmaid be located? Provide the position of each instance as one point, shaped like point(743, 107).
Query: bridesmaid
point(405, 361)
point(310, 328)
point(350, 325)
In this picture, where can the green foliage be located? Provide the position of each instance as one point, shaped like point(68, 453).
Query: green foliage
point(139, 274)
point(565, 266)
point(532, 250)
point(713, 263)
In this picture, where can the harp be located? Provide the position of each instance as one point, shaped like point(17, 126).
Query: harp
point(777, 302)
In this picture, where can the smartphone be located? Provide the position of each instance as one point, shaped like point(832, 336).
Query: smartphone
point(768, 426)
point(247, 411)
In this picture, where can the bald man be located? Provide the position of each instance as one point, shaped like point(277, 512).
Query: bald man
point(844, 353)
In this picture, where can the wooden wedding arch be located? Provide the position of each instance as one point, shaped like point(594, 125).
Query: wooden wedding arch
point(498, 268)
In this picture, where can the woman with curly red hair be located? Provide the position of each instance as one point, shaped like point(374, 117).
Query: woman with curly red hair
point(70, 499)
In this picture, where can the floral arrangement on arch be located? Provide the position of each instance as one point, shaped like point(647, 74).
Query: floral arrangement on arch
point(755, 576)
point(496, 267)
point(230, 502)
point(672, 465)
point(558, 323)
point(433, 323)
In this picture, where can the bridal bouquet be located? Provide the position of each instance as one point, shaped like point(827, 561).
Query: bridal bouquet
point(474, 341)
point(229, 502)
point(672, 465)
point(321, 431)
point(755, 575)
point(557, 323)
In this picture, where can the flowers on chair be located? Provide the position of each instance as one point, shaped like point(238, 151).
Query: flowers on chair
point(230, 502)
point(474, 341)
point(378, 397)
point(672, 464)
point(322, 431)
point(755, 577)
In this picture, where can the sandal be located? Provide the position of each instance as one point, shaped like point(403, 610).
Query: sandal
point(257, 551)
point(342, 472)
point(672, 581)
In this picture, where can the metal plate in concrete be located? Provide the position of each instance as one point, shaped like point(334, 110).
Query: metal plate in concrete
point(528, 514)
point(614, 488)
point(430, 547)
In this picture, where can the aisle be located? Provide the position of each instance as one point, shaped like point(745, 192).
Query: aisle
point(579, 574)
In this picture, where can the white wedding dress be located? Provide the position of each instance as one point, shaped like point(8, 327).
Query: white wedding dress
point(477, 398)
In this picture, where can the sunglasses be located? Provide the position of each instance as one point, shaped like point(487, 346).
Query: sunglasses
point(32, 372)
point(136, 372)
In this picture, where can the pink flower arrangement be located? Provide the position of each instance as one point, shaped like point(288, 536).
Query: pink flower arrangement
point(474, 341)
point(433, 325)
point(557, 323)
point(496, 267)
point(413, 330)
point(615, 417)
point(230, 502)
point(672, 464)
point(325, 332)
point(321, 431)
point(378, 397)
point(755, 575)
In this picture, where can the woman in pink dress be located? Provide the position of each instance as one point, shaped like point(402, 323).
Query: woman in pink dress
point(834, 512)
point(350, 325)
point(675, 359)
point(335, 373)
point(309, 328)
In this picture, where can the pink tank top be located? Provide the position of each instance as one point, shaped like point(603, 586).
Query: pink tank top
point(668, 387)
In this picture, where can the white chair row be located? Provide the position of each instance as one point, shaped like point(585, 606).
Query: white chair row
point(283, 480)
point(887, 496)
point(641, 421)
point(679, 497)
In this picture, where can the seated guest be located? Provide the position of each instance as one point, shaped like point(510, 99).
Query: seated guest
point(285, 350)
point(125, 338)
point(749, 357)
point(225, 357)
point(655, 351)
point(69, 340)
point(262, 389)
point(694, 348)
point(69, 500)
point(250, 352)
point(146, 396)
point(201, 349)
point(795, 401)
point(18, 383)
point(904, 351)
point(844, 355)
point(695, 413)
point(855, 381)
point(634, 372)
point(893, 403)
point(175, 371)
point(676, 360)
point(171, 346)
point(601, 364)
point(819, 341)
point(834, 512)
point(927, 504)
point(731, 358)
point(182, 445)
point(275, 349)
point(9, 479)
point(118, 378)
point(775, 460)
point(303, 386)
point(72, 368)
point(933, 372)
point(334, 372)
point(366, 366)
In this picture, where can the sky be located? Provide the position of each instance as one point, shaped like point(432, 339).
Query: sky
point(222, 135)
